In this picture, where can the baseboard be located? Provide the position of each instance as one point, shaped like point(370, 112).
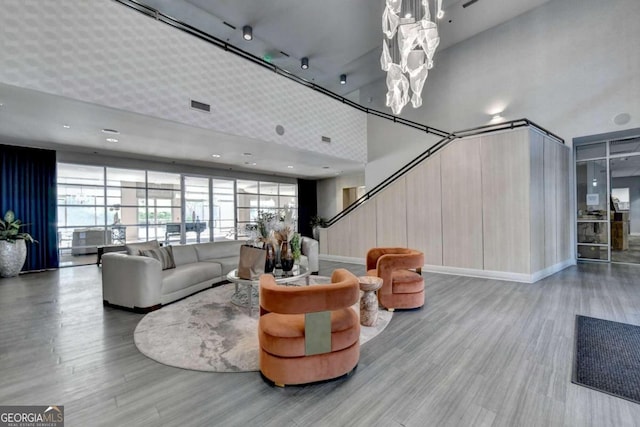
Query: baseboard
point(500, 275)
point(471, 272)
point(539, 275)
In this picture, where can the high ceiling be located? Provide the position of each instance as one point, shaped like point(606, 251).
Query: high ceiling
point(338, 37)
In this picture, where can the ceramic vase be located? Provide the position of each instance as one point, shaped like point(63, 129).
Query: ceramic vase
point(270, 262)
point(286, 256)
point(12, 257)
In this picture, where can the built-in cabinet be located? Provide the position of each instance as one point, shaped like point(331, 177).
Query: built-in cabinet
point(494, 205)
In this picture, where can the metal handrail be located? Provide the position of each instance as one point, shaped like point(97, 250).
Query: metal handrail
point(156, 14)
point(434, 149)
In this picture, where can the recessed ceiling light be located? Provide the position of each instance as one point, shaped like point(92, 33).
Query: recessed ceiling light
point(66, 126)
point(290, 167)
point(215, 155)
point(247, 32)
point(326, 167)
point(112, 140)
point(111, 131)
point(343, 79)
point(250, 163)
point(247, 154)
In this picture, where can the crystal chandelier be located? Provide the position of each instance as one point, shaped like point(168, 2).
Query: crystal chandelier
point(408, 48)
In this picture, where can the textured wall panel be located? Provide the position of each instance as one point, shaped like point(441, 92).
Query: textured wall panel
point(102, 52)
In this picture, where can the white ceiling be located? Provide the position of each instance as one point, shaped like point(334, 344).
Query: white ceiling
point(339, 37)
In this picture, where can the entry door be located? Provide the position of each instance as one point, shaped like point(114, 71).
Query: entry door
point(592, 200)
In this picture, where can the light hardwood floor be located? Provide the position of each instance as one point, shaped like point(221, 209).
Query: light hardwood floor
point(481, 352)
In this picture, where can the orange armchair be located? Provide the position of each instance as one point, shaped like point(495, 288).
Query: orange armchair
point(401, 287)
point(308, 333)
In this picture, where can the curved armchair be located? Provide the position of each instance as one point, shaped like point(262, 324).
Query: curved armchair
point(401, 287)
point(308, 333)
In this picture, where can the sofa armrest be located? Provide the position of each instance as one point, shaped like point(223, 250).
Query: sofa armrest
point(131, 281)
point(310, 249)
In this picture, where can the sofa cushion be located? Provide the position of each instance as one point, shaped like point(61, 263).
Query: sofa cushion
point(187, 275)
point(184, 254)
point(215, 250)
point(164, 255)
point(227, 263)
point(137, 248)
point(407, 282)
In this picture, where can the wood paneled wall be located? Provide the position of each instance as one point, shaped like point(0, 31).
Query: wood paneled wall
point(496, 202)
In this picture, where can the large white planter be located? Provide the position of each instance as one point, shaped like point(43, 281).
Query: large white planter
point(12, 257)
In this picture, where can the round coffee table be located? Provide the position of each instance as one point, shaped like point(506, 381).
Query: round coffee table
point(369, 301)
point(246, 293)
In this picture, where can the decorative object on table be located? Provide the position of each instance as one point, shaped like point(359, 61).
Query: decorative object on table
point(252, 262)
point(286, 256)
point(262, 233)
point(206, 332)
point(317, 222)
point(270, 257)
point(296, 247)
point(13, 249)
point(607, 357)
point(283, 232)
point(369, 301)
point(410, 41)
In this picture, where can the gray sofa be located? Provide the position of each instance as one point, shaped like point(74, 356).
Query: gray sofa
point(139, 282)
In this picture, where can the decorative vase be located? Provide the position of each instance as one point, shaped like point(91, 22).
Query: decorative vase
point(12, 257)
point(270, 262)
point(286, 257)
point(315, 232)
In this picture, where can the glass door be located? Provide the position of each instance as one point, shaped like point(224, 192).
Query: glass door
point(624, 166)
point(592, 200)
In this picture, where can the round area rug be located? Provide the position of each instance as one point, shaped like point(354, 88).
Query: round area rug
point(206, 332)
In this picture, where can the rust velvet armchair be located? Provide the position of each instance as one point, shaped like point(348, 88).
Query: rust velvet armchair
point(308, 333)
point(401, 288)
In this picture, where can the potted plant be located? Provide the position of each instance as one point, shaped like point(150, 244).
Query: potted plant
point(316, 223)
point(13, 250)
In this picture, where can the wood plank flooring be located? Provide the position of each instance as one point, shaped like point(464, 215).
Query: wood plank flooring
point(480, 353)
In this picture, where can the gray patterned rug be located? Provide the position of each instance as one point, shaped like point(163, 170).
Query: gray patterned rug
point(607, 357)
point(206, 332)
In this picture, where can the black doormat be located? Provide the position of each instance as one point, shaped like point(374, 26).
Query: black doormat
point(607, 357)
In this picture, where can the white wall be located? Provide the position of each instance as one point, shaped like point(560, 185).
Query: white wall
point(569, 65)
point(329, 193)
point(391, 146)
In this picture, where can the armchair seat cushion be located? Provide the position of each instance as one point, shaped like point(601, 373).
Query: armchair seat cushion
point(283, 335)
point(404, 281)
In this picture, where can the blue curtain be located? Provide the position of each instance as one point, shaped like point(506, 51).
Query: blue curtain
point(28, 187)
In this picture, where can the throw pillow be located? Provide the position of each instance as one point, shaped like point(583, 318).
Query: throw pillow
point(137, 248)
point(164, 255)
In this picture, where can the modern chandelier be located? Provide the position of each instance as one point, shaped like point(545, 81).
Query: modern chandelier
point(410, 41)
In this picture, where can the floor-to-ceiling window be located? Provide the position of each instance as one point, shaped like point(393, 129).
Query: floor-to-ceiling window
point(260, 196)
point(100, 206)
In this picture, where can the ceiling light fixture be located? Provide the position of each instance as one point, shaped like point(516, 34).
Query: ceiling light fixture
point(408, 48)
point(247, 33)
point(250, 163)
point(343, 79)
point(304, 63)
point(111, 131)
point(215, 155)
point(290, 167)
point(112, 140)
point(247, 154)
point(66, 126)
